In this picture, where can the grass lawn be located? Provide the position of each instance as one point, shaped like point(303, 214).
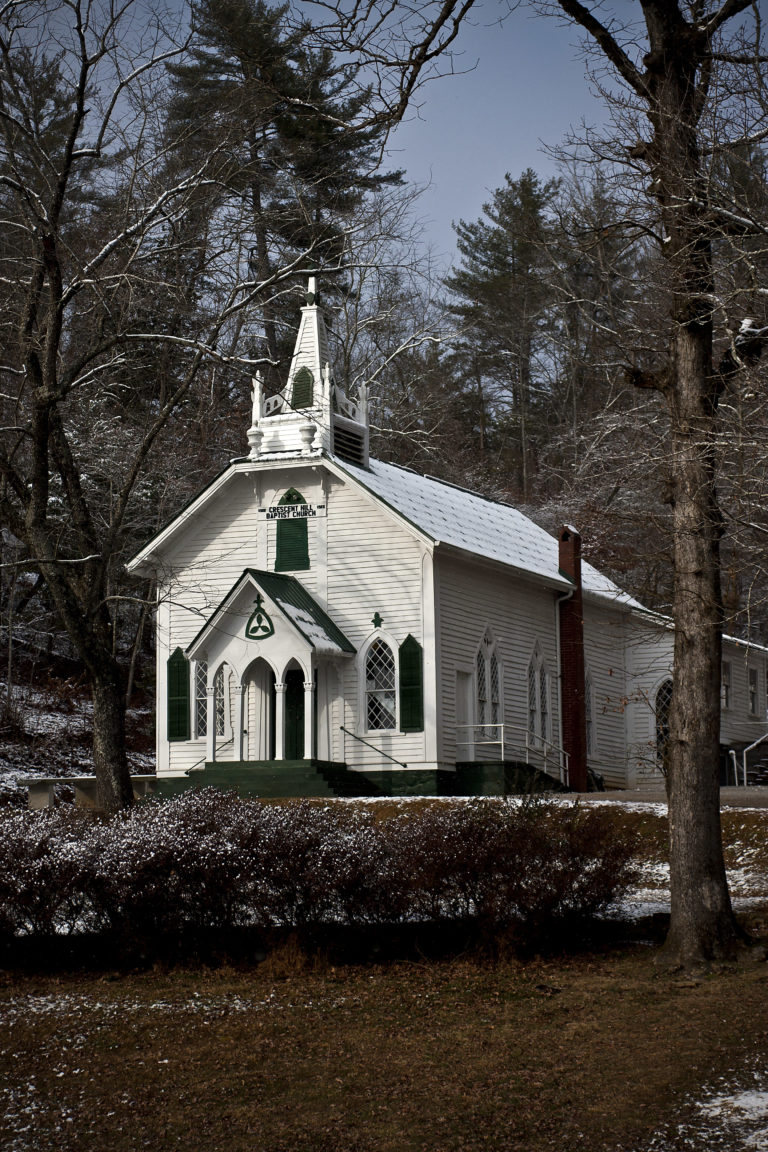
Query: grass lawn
point(582, 1052)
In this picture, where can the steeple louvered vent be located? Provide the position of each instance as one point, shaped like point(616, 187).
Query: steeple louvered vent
point(348, 445)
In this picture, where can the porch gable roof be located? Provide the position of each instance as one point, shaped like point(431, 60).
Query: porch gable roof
point(295, 603)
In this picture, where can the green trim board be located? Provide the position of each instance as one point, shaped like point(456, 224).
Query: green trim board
point(291, 599)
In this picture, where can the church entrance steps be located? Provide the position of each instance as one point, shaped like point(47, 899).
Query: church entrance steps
point(289, 779)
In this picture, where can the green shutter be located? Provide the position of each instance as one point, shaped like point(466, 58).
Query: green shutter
point(411, 686)
point(292, 542)
point(178, 696)
point(303, 388)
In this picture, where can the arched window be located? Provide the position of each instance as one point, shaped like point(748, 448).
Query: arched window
point(201, 698)
point(380, 688)
point(291, 546)
point(221, 698)
point(488, 686)
point(538, 697)
point(411, 661)
point(661, 708)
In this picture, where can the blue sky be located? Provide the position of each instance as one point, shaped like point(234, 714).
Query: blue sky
point(528, 89)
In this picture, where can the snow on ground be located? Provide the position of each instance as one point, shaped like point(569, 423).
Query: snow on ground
point(729, 1116)
point(52, 737)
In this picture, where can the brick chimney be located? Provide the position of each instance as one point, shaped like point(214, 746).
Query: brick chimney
point(572, 687)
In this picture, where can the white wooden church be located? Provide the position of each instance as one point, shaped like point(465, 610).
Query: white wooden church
point(330, 623)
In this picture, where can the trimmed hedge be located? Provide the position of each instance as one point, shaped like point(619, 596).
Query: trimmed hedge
point(208, 860)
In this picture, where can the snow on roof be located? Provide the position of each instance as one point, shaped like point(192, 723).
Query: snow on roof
point(462, 519)
point(293, 600)
point(314, 632)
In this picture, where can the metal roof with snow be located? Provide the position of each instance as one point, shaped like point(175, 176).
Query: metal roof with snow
point(472, 523)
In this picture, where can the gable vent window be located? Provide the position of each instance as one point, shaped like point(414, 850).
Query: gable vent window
point(348, 445)
point(292, 544)
point(178, 696)
point(303, 388)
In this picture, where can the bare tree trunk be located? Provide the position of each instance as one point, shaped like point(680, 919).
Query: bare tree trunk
point(673, 87)
point(702, 927)
point(113, 787)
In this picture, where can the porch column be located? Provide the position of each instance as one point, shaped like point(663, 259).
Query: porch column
point(240, 695)
point(309, 720)
point(210, 727)
point(279, 721)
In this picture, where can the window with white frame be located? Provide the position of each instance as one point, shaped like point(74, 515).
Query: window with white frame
point(538, 697)
point(201, 698)
point(380, 687)
point(662, 705)
point(754, 693)
point(727, 685)
point(488, 687)
point(221, 705)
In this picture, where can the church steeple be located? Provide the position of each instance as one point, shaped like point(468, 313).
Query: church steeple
point(312, 415)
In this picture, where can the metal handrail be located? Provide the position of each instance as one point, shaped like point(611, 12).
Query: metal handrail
point(540, 746)
point(749, 748)
point(368, 744)
point(217, 748)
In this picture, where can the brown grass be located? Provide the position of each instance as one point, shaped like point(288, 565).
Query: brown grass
point(586, 1052)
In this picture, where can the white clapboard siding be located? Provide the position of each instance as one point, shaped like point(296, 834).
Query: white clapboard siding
point(472, 598)
point(374, 565)
point(649, 661)
point(739, 726)
point(605, 662)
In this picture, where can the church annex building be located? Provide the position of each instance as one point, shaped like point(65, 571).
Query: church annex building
point(328, 623)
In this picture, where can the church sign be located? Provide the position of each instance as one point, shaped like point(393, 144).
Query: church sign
point(292, 512)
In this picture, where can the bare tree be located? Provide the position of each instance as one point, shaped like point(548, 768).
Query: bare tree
point(126, 285)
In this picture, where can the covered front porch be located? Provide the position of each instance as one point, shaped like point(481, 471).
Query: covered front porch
point(268, 687)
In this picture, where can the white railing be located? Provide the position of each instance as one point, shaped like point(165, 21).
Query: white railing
point(514, 742)
point(749, 748)
point(274, 404)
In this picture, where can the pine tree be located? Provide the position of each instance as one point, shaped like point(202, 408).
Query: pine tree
point(504, 299)
point(287, 116)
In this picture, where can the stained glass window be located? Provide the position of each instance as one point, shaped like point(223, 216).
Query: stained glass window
point(219, 701)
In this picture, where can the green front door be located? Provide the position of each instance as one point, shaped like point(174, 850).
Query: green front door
point(294, 714)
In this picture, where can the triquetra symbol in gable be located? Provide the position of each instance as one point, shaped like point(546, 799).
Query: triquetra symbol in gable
point(259, 625)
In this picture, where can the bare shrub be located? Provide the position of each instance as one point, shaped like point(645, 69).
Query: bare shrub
point(208, 861)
